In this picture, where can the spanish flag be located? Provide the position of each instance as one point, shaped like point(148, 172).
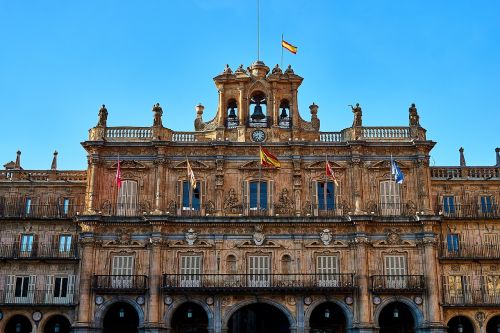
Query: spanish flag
point(190, 175)
point(289, 46)
point(267, 159)
point(331, 174)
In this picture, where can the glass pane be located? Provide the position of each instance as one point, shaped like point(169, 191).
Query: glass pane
point(66, 206)
point(195, 203)
point(185, 194)
point(253, 195)
point(57, 287)
point(321, 195)
point(263, 195)
point(330, 196)
point(449, 204)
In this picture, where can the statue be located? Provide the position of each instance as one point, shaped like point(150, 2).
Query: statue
point(158, 112)
point(357, 115)
point(103, 116)
point(414, 118)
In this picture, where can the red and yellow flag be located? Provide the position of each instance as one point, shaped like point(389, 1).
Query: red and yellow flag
point(289, 46)
point(331, 174)
point(267, 159)
point(190, 174)
point(118, 177)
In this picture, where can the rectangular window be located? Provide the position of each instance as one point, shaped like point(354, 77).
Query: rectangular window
point(493, 288)
point(122, 271)
point(20, 289)
point(327, 270)
point(127, 198)
point(453, 242)
point(26, 244)
point(22, 283)
point(389, 198)
point(395, 269)
point(27, 207)
point(258, 195)
point(486, 204)
point(191, 198)
point(449, 205)
point(61, 287)
point(190, 271)
point(458, 289)
point(259, 270)
point(65, 243)
point(65, 206)
point(326, 195)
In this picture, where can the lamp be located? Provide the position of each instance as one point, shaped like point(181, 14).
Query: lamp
point(327, 313)
point(121, 313)
point(395, 313)
point(498, 328)
point(18, 328)
point(57, 328)
point(189, 313)
point(460, 328)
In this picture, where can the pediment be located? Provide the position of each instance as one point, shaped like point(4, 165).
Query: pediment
point(386, 164)
point(252, 165)
point(322, 165)
point(184, 244)
point(194, 165)
point(129, 164)
point(319, 244)
point(249, 243)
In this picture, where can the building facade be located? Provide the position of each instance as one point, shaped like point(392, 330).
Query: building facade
point(238, 247)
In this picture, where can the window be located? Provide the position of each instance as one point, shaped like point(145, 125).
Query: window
point(20, 289)
point(395, 269)
point(258, 195)
point(26, 244)
point(65, 206)
point(286, 264)
point(127, 198)
point(22, 283)
point(190, 271)
point(59, 289)
point(389, 198)
point(259, 270)
point(326, 195)
point(449, 205)
point(486, 204)
point(122, 270)
point(458, 289)
point(453, 241)
point(65, 243)
point(27, 207)
point(191, 197)
point(327, 270)
point(493, 287)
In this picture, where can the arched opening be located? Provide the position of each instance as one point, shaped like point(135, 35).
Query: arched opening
point(286, 264)
point(57, 324)
point(121, 317)
point(18, 324)
point(190, 318)
point(396, 317)
point(493, 325)
point(258, 318)
point(327, 318)
point(231, 264)
point(232, 113)
point(258, 118)
point(284, 119)
point(460, 324)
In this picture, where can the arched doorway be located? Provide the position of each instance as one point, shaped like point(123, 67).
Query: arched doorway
point(493, 325)
point(327, 317)
point(57, 324)
point(18, 324)
point(460, 324)
point(258, 318)
point(121, 317)
point(396, 317)
point(190, 318)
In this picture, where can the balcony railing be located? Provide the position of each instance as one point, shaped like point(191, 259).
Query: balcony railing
point(257, 282)
point(36, 297)
point(392, 209)
point(120, 283)
point(448, 173)
point(469, 211)
point(461, 251)
point(24, 210)
point(16, 250)
point(471, 290)
point(327, 211)
point(397, 283)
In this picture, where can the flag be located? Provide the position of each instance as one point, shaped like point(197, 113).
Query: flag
point(118, 177)
point(267, 159)
point(289, 46)
point(331, 174)
point(396, 172)
point(190, 175)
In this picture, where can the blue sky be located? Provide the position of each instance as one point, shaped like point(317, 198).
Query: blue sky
point(60, 60)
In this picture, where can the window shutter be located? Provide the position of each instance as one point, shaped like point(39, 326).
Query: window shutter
point(49, 288)
point(71, 286)
point(11, 280)
point(270, 197)
point(315, 199)
point(133, 196)
point(178, 191)
point(31, 287)
point(203, 196)
point(245, 196)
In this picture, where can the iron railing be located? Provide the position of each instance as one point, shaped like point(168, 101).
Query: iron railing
point(35, 297)
point(258, 282)
point(474, 211)
point(327, 210)
point(471, 290)
point(399, 283)
point(35, 250)
point(120, 283)
point(27, 210)
point(461, 251)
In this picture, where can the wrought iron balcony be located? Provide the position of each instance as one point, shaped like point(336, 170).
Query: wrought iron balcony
point(233, 283)
point(33, 211)
point(469, 211)
point(471, 290)
point(16, 250)
point(397, 283)
point(393, 209)
point(35, 297)
point(326, 210)
point(471, 298)
point(120, 283)
point(461, 251)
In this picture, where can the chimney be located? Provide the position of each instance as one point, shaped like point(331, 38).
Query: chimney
point(18, 160)
point(462, 157)
point(53, 166)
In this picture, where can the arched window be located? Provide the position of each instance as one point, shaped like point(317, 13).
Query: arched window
point(258, 117)
point(232, 113)
point(126, 203)
point(284, 119)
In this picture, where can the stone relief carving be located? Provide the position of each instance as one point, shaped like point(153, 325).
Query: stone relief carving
point(171, 207)
point(231, 204)
point(258, 235)
point(210, 207)
point(191, 236)
point(326, 236)
point(285, 203)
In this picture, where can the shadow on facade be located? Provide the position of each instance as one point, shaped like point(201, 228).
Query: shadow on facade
point(18, 324)
point(396, 317)
point(190, 318)
point(258, 318)
point(121, 317)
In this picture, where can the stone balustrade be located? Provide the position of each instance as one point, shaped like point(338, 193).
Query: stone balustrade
point(134, 133)
point(465, 172)
point(386, 133)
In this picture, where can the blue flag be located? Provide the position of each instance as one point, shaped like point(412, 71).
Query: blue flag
point(396, 172)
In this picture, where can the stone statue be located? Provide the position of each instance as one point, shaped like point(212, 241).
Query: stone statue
point(158, 112)
point(357, 115)
point(103, 116)
point(414, 118)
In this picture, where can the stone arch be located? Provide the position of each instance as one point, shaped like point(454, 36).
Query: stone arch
point(471, 319)
point(345, 308)
point(279, 306)
point(418, 316)
point(48, 321)
point(6, 321)
point(101, 311)
point(47, 316)
point(178, 302)
point(492, 321)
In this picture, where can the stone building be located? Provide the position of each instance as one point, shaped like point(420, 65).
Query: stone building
point(244, 248)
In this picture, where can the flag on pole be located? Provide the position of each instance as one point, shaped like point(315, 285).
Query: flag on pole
point(331, 174)
point(267, 159)
point(396, 172)
point(289, 46)
point(190, 175)
point(118, 177)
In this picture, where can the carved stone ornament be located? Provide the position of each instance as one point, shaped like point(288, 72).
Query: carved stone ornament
point(258, 236)
point(393, 237)
point(326, 236)
point(231, 203)
point(480, 316)
point(285, 204)
point(191, 236)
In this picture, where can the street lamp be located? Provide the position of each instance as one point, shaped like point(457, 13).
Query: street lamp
point(189, 313)
point(57, 328)
point(121, 313)
point(460, 328)
point(395, 313)
point(327, 313)
point(498, 328)
point(18, 328)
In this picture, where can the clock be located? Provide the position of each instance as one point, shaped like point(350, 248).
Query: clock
point(258, 136)
point(99, 300)
point(37, 315)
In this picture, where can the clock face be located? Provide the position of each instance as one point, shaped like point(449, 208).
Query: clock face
point(37, 315)
point(258, 136)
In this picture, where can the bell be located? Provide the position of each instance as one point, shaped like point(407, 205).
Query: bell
point(257, 113)
point(232, 113)
point(283, 113)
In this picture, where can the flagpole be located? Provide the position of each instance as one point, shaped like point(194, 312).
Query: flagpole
point(281, 51)
point(258, 30)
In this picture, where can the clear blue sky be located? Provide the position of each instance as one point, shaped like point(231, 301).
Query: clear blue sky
point(60, 60)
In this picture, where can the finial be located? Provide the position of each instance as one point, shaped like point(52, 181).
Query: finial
point(18, 160)
point(314, 109)
point(497, 150)
point(462, 157)
point(53, 166)
point(158, 112)
point(413, 115)
point(289, 70)
point(103, 116)
point(227, 70)
point(199, 109)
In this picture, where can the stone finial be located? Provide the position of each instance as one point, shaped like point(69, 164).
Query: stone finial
point(227, 70)
point(103, 116)
point(497, 150)
point(289, 70)
point(277, 70)
point(314, 116)
point(358, 115)
point(199, 109)
point(158, 112)
point(413, 115)
point(53, 166)
point(462, 157)
point(18, 160)
point(314, 109)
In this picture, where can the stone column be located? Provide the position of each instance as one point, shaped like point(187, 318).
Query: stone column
point(154, 318)
point(84, 313)
point(363, 306)
point(159, 176)
point(89, 209)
